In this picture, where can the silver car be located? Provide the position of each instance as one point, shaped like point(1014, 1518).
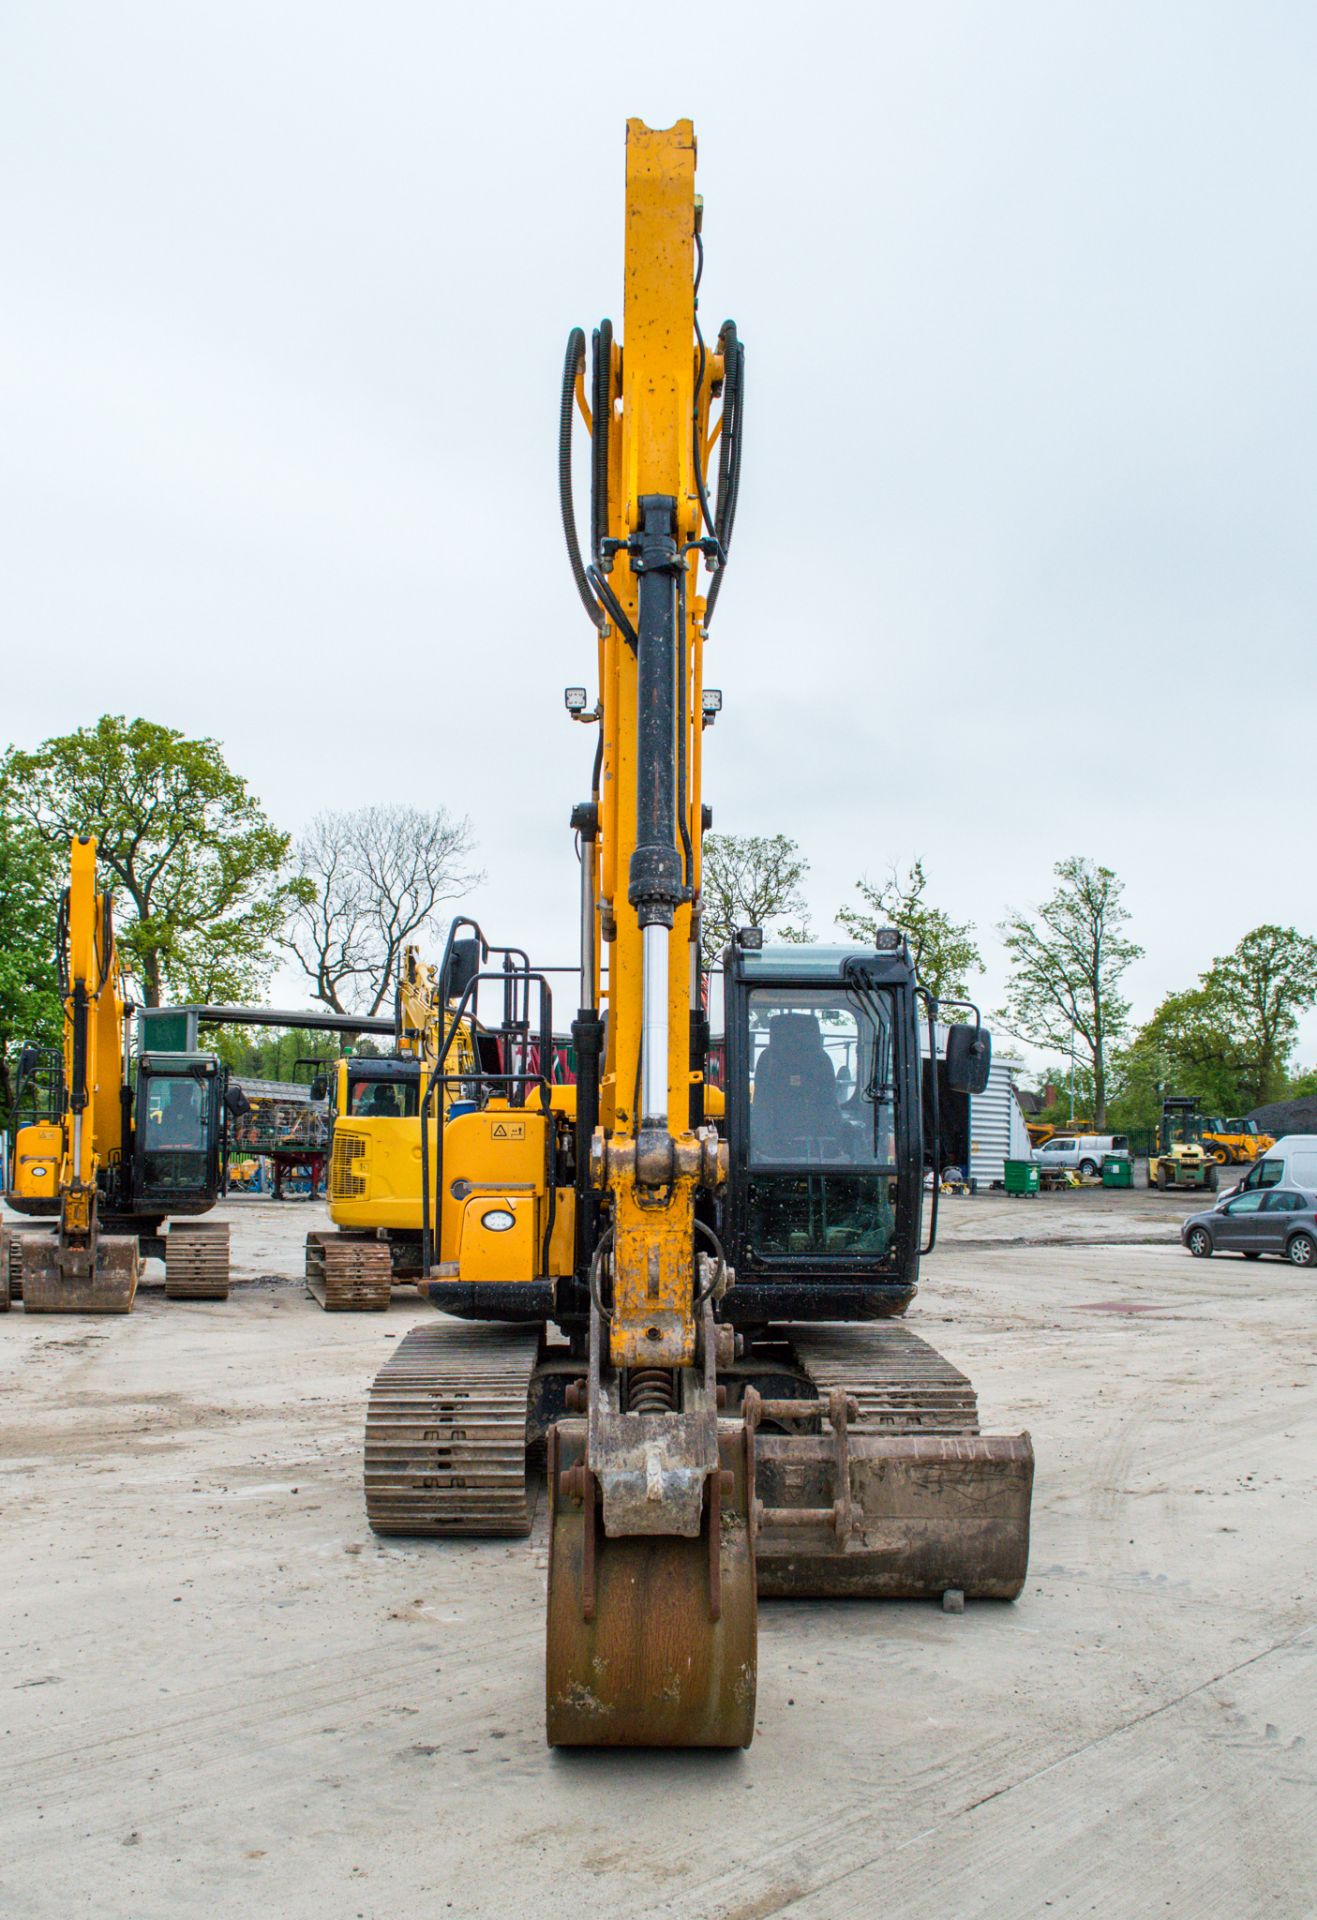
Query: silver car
point(1279, 1220)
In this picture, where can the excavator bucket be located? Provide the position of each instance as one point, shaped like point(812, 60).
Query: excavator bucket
point(651, 1638)
point(892, 1492)
point(49, 1287)
point(918, 1517)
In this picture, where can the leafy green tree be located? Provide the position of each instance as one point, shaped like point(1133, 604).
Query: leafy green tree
point(274, 1053)
point(750, 881)
point(1187, 1046)
point(1067, 962)
point(29, 992)
point(945, 950)
point(1061, 1108)
point(1229, 1039)
point(1257, 993)
point(180, 835)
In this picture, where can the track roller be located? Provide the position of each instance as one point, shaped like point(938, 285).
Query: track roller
point(651, 1638)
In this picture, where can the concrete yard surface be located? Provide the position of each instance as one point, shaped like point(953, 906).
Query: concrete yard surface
point(223, 1696)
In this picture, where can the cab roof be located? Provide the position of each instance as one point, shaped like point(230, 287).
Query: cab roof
point(817, 963)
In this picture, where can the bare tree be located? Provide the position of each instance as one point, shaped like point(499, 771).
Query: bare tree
point(367, 883)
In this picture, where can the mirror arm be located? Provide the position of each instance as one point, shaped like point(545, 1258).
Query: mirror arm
point(972, 1005)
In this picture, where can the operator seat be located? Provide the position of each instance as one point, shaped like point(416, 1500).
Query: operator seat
point(794, 1114)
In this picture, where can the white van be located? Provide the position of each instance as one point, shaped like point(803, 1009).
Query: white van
point(1083, 1151)
point(1292, 1162)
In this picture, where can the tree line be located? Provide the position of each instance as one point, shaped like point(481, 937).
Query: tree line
point(1229, 1038)
point(211, 895)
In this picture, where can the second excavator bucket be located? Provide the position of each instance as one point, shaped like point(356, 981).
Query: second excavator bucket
point(917, 1517)
point(883, 1486)
point(52, 1285)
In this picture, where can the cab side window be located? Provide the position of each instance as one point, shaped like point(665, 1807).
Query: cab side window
point(1270, 1173)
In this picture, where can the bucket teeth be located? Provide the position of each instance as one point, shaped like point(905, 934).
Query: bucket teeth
point(348, 1275)
point(197, 1260)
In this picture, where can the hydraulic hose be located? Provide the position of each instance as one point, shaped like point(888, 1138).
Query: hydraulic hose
point(729, 451)
point(697, 451)
point(601, 413)
point(573, 366)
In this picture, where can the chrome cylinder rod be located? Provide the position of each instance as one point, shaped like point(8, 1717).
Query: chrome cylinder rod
point(654, 1028)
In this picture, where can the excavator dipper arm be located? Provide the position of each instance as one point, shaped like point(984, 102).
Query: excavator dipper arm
point(651, 1627)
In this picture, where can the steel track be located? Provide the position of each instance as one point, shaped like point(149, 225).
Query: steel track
point(446, 1432)
point(901, 1384)
point(348, 1275)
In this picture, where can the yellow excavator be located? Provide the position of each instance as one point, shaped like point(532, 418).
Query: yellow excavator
point(124, 1142)
point(693, 1308)
point(375, 1185)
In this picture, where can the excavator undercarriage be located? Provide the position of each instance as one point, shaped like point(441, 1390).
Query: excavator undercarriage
point(851, 1465)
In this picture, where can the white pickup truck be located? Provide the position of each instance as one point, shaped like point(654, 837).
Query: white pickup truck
point(1085, 1152)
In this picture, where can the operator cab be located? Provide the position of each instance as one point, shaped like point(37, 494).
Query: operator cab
point(1182, 1123)
point(381, 1089)
point(822, 1212)
point(178, 1131)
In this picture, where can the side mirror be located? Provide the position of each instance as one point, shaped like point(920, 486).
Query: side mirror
point(320, 1088)
point(969, 1056)
point(463, 966)
point(236, 1102)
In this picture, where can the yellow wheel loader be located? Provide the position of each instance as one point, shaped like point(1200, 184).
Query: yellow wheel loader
point(1235, 1142)
point(694, 1310)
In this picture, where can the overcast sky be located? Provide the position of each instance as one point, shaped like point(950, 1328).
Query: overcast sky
point(1025, 561)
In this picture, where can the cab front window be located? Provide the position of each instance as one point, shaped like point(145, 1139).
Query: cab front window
point(822, 1122)
point(174, 1129)
point(378, 1099)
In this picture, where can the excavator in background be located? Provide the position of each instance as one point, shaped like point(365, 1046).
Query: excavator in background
point(694, 1313)
point(125, 1141)
point(375, 1185)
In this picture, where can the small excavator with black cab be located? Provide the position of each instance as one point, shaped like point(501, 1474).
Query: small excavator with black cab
point(125, 1141)
point(692, 1304)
